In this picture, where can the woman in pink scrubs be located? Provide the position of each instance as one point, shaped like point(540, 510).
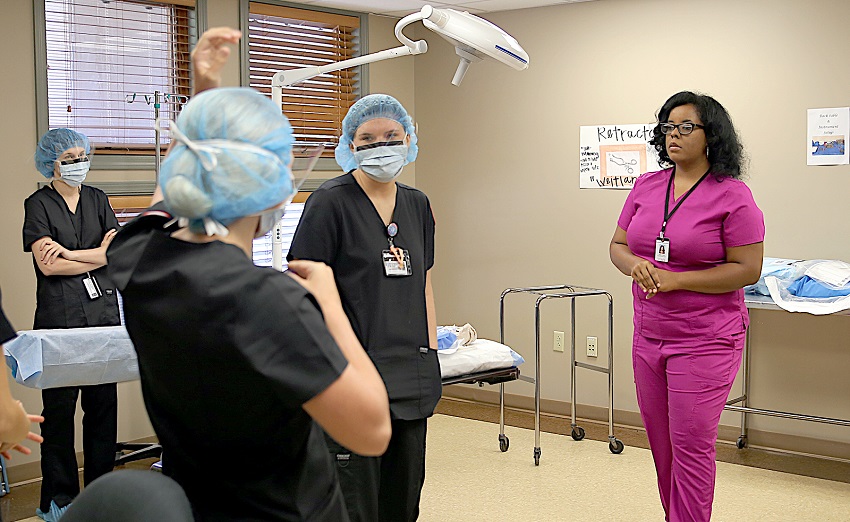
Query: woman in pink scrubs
point(691, 237)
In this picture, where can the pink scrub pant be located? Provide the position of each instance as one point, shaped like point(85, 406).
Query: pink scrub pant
point(682, 387)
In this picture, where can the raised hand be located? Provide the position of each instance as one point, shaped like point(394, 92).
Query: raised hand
point(210, 54)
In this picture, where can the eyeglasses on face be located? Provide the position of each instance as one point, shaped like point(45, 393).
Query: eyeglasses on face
point(684, 128)
point(74, 160)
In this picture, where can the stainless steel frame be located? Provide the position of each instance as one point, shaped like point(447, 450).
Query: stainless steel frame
point(571, 292)
point(764, 303)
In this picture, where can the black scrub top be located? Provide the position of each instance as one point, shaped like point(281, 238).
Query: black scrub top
point(7, 333)
point(341, 227)
point(62, 301)
point(228, 354)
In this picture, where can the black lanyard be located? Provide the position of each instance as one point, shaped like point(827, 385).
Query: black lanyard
point(669, 215)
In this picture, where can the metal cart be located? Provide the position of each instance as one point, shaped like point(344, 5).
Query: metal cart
point(571, 292)
point(765, 303)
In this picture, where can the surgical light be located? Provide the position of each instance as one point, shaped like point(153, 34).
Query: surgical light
point(473, 37)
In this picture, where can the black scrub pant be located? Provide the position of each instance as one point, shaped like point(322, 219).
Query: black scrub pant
point(385, 488)
point(131, 495)
point(60, 479)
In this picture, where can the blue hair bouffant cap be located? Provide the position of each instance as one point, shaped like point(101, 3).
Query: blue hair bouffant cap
point(368, 108)
point(53, 144)
point(231, 158)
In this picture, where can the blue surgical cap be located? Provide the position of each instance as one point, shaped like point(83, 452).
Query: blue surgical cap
point(251, 171)
point(53, 144)
point(368, 108)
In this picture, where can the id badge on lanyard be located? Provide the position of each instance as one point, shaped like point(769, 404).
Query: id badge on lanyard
point(662, 249)
point(92, 288)
point(396, 260)
point(662, 244)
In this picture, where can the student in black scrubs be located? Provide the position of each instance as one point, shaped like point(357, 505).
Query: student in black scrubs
point(67, 227)
point(241, 366)
point(378, 237)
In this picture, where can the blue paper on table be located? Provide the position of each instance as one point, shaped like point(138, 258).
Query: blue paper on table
point(446, 337)
point(808, 287)
point(72, 357)
point(786, 270)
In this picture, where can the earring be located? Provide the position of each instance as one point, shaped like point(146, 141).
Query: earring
point(706, 151)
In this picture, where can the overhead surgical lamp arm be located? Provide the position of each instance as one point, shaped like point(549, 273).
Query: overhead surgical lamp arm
point(473, 38)
point(410, 48)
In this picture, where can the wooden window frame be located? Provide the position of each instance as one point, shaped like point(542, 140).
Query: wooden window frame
point(316, 14)
point(113, 157)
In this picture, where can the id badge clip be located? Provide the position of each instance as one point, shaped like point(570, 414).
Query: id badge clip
point(92, 288)
point(662, 249)
point(396, 262)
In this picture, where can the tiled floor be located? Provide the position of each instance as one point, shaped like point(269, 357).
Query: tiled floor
point(579, 480)
point(468, 478)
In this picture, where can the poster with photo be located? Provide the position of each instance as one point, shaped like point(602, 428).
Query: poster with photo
point(827, 136)
point(613, 156)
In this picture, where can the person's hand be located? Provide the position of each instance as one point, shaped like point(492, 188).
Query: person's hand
point(107, 238)
point(646, 275)
point(653, 280)
point(210, 55)
point(50, 250)
point(318, 279)
point(6, 446)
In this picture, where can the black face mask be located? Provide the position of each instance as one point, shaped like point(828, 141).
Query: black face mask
point(379, 144)
point(75, 160)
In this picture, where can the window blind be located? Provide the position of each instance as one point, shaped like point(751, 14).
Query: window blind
point(281, 38)
point(100, 52)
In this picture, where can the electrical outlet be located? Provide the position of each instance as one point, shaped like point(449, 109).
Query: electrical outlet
point(591, 346)
point(559, 342)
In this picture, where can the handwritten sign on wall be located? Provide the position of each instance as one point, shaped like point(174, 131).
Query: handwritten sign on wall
point(613, 156)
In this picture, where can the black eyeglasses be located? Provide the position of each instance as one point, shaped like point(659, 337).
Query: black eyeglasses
point(379, 144)
point(75, 160)
point(684, 128)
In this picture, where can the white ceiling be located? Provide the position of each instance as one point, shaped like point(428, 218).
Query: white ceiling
point(405, 7)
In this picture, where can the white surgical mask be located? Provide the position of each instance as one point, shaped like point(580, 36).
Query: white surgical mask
point(75, 173)
point(383, 164)
point(268, 219)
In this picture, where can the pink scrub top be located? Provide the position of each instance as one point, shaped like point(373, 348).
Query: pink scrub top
point(720, 213)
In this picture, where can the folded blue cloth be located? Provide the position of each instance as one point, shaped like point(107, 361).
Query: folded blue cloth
point(446, 337)
point(808, 287)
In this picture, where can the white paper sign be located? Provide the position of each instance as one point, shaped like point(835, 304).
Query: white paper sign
point(828, 131)
point(613, 156)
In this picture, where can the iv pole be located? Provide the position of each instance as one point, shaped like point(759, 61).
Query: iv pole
point(156, 98)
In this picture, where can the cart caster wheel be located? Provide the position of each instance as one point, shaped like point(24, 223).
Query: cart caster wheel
point(504, 443)
point(577, 433)
point(741, 443)
point(616, 446)
point(537, 453)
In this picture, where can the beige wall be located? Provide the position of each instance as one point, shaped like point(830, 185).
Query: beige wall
point(500, 155)
point(19, 136)
point(498, 160)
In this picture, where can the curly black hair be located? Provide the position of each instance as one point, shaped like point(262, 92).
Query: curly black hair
point(725, 152)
